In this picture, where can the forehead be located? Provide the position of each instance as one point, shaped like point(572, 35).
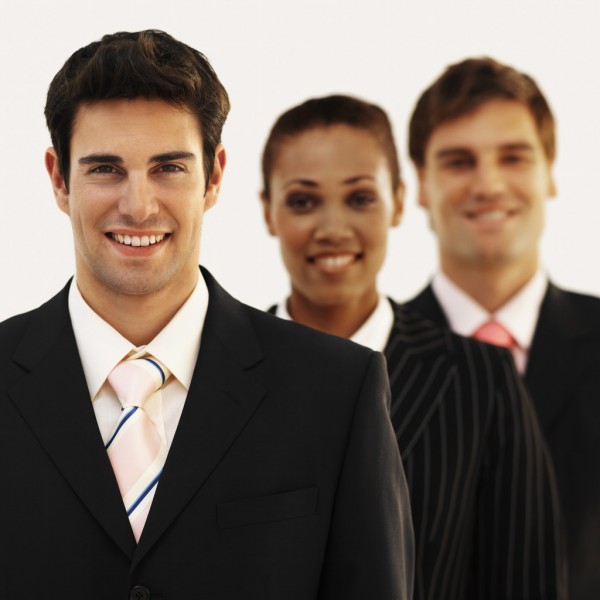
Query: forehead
point(318, 149)
point(494, 124)
point(137, 123)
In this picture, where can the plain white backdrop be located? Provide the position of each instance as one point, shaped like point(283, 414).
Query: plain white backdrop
point(270, 55)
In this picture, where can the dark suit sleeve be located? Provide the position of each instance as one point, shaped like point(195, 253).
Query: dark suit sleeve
point(370, 549)
point(519, 548)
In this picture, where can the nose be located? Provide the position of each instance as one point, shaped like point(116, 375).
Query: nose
point(488, 181)
point(333, 226)
point(138, 200)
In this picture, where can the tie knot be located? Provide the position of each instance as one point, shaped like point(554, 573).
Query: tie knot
point(494, 333)
point(134, 380)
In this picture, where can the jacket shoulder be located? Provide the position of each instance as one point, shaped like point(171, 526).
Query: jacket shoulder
point(415, 337)
point(279, 335)
point(12, 331)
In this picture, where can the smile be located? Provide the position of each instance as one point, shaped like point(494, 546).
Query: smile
point(135, 240)
point(334, 263)
point(490, 216)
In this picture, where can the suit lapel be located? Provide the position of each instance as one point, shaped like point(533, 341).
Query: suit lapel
point(222, 398)
point(421, 370)
point(427, 305)
point(554, 355)
point(54, 401)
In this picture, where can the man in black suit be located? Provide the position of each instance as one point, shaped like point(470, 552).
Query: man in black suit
point(482, 138)
point(276, 484)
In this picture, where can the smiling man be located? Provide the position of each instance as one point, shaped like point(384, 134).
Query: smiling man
point(159, 438)
point(482, 138)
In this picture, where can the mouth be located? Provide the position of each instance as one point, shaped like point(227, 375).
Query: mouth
point(335, 263)
point(138, 241)
point(490, 216)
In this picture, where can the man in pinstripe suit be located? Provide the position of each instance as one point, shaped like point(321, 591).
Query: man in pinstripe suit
point(482, 137)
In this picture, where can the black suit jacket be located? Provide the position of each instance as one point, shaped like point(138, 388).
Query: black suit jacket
point(563, 378)
point(283, 479)
point(484, 504)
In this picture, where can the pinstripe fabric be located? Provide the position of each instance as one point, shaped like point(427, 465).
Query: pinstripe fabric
point(483, 498)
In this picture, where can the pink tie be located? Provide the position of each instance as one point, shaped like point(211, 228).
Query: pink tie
point(493, 333)
point(136, 450)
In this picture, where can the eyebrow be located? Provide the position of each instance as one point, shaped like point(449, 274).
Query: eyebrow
point(513, 146)
point(169, 156)
point(313, 184)
point(114, 159)
point(92, 159)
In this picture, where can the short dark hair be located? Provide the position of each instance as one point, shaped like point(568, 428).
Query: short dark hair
point(465, 86)
point(326, 111)
point(147, 64)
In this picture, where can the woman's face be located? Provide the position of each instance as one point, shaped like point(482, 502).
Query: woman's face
point(331, 205)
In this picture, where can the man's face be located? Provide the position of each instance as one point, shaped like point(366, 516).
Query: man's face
point(136, 197)
point(485, 182)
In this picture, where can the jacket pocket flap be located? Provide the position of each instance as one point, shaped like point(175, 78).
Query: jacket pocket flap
point(276, 507)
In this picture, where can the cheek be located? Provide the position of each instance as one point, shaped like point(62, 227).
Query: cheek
point(374, 231)
point(294, 235)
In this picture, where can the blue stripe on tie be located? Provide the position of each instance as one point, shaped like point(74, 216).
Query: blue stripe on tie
point(144, 493)
point(162, 375)
point(122, 422)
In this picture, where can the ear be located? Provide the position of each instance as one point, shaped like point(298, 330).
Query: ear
point(61, 194)
point(266, 205)
point(398, 209)
point(552, 191)
point(422, 198)
point(214, 183)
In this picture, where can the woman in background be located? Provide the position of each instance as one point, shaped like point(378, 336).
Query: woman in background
point(484, 507)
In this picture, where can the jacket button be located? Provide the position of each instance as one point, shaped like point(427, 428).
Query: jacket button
point(139, 592)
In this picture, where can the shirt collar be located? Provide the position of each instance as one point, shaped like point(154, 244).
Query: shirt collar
point(101, 347)
point(373, 333)
point(519, 315)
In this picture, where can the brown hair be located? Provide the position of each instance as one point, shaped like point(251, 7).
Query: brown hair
point(323, 112)
point(464, 87)
point(147, 64)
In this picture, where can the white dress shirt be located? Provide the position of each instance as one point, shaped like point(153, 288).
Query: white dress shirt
point(373, 333)
point(518, 316)
point(101, 348)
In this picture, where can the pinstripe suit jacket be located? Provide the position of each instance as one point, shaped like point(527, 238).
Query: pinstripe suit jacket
point(483, 497)
point(563, 378)
point(482, 491)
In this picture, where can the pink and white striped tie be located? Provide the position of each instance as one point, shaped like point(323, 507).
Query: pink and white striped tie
point(136, 450)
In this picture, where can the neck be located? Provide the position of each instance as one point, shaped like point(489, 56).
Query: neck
point(342, 320)
point(490, 286)
point(138, 318)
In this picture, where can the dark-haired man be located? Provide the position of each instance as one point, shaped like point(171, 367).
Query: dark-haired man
point(482, 138)
point(160, 439)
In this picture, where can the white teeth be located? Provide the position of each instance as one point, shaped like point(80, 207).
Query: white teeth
point(137, 241)
point(492, 215)
point(334, 262)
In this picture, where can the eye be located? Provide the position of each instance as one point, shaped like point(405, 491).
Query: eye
point(301, 202)
point(458, 163)
point(103, 170)
point(169, 168)
point(361, 199)
point(515, 159)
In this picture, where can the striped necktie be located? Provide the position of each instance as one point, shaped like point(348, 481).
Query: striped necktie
point(136, 450)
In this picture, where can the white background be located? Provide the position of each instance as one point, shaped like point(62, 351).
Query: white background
point(270, 55)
